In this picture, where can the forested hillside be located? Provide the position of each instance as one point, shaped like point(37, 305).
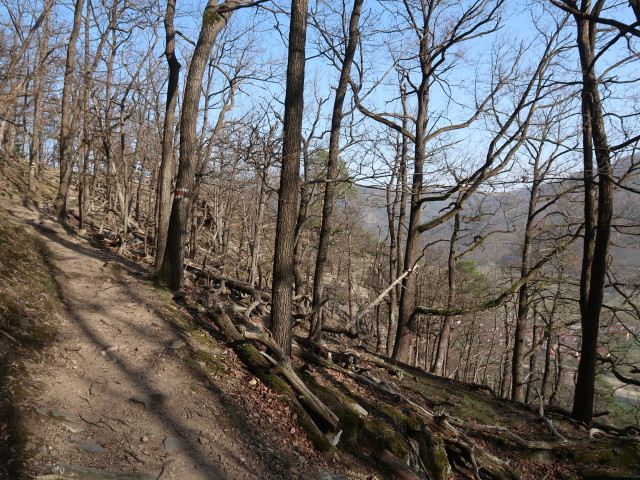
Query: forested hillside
point(449, 188)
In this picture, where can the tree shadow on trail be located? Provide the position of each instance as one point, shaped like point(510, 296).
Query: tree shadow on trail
point(140, 380)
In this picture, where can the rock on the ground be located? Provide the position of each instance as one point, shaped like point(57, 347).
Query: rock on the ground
point(177, 344)
point(64, 472)
point(72, 427)
point(358, 408)
point(172, 444)
point(91, 447)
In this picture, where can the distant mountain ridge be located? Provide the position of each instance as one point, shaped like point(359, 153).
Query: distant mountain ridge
point(506, 213)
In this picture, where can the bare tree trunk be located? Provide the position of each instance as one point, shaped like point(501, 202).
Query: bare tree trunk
point(66, 123)
point(405, 330)
point(167, 163)
point(505, 364)
point(396, 250)
point(301, 218)
point(440, 362)
point(84, 183)
point(332, 170)
point(547, 363)
point(392, 207)
point(595, 260)
point(257, 232)
point(406, 327)
point(215, 17)
point(548, 334)
point(262, 174)
point(517, 359)
point(558, 373)
point(289, 179)
point(533, 363)
point(35, 149)
point(193, 234)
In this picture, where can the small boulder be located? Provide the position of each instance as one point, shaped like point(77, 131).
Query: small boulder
point(172, 445)
point(91, 447)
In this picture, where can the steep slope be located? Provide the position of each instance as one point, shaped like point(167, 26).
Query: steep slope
point(126, 380)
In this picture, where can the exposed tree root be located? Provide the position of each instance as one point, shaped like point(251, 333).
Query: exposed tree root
point(261, 367)
point(435, 428)
point(283, 365)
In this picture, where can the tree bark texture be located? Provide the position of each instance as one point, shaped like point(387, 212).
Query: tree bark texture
point(67, 120)
point(332, 168)
point(289, 179)
point(590, 315)
point(213, 21)
point(167, 163)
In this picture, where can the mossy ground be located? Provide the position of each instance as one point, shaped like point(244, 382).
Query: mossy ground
point(624, 457)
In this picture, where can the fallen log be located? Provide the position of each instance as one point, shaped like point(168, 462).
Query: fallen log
point(283, 365)
point(438, 427)
point(504, 432)
point(345, 360)
point(397, 467)
point(230, 283)
point(352, 334)
point(261, 367)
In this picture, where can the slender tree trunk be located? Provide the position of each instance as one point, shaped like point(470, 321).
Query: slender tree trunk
point(67, 120)
point(257, 231)
point(35, 149)
point(289, 179)
point(548, 334)
point(332, 169)
point(547, 363)
point(405, 330)
point(392, 207)
point(440, 362)
point(505, 364)
point(398, 257)
point(167, 162)
point(558, 373)
point(533, 364)
point(593, 284)
point(298, 275)
point(195, 227)
point(84, 183)
point(214, 20)
point(517, 359)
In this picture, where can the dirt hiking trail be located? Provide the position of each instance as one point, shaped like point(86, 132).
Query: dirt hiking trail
point(121, 393)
